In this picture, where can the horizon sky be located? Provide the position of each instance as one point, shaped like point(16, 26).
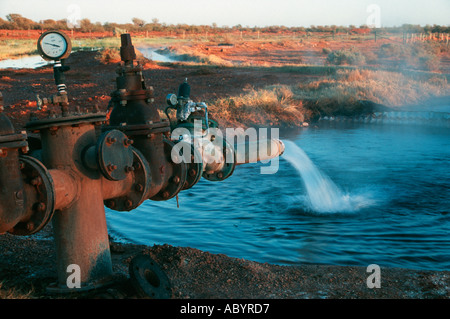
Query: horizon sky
point(291, 13)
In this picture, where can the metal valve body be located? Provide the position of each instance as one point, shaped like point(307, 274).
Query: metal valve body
point(88, 161)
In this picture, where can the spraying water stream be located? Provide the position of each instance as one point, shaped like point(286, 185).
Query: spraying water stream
point(323, 195)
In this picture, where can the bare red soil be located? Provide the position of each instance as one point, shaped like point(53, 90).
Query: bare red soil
point(90, 83)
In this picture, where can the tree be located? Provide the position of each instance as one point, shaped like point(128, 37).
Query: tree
point(138, 22)
point(19, 22)
point(86, 25)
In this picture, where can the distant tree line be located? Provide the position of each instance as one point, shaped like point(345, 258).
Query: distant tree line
point(16, 21)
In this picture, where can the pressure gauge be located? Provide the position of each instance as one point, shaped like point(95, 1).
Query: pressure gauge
point(54, 45)
point(172, 99)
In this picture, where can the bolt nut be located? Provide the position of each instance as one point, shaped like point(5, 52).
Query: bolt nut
point(165, 194)
point(111, 203)
point(128, 203)
point(129, 169)
point(19, 194)
point(192, 172)
point(41, 207)
point(111, 140)
point(220, 175)
point(36, 181)
point(127, 142)
point(137, 165)
point(176, 179)
point(30, 226)
point(139, 187)
point(111, 167)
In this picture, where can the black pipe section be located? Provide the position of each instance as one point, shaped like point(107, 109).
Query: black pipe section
point(12, 208)
point(134, 114)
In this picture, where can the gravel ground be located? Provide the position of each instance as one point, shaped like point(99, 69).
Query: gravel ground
point(28, 264)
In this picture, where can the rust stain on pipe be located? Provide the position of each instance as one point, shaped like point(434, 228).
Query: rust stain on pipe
point(66, 187)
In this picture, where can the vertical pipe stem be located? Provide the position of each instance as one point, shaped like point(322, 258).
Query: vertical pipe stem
point(80, 231)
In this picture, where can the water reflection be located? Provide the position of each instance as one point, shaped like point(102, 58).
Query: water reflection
point(28, 62)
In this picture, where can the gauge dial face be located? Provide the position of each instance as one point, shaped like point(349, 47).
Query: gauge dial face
point(53, 45)
point(172, 99)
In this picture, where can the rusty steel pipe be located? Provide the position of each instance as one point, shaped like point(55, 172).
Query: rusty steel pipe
point(66, 187)
point(134, 114)
point(12, 208)
point(113, 189)
point(258, 151)
point(80, 230)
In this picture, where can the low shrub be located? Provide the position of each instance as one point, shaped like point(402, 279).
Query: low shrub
point(422, 56)
point(346, 57)
point(326, 51)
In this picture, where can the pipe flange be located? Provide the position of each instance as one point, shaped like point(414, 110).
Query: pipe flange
point(95, 118)
point(162, 126)
point(148, 279)
point(194, 163)
point(36, 174)
point(142, 181)
point(12, 141)
point(178, 175)
point(114, 155)
point(227, 169)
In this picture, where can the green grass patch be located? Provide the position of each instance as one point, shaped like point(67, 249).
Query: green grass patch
point(10, 49)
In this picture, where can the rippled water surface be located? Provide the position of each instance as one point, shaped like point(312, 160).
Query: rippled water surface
point(396, 178)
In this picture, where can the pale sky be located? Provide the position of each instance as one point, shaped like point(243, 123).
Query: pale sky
point(232, 12)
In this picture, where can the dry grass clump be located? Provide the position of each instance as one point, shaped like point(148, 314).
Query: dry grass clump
point(383, 87)
point(337, 94)
point(12, 293)
point(112, 56)
point(420, 56)
point(273, 106)
point(346, 57)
